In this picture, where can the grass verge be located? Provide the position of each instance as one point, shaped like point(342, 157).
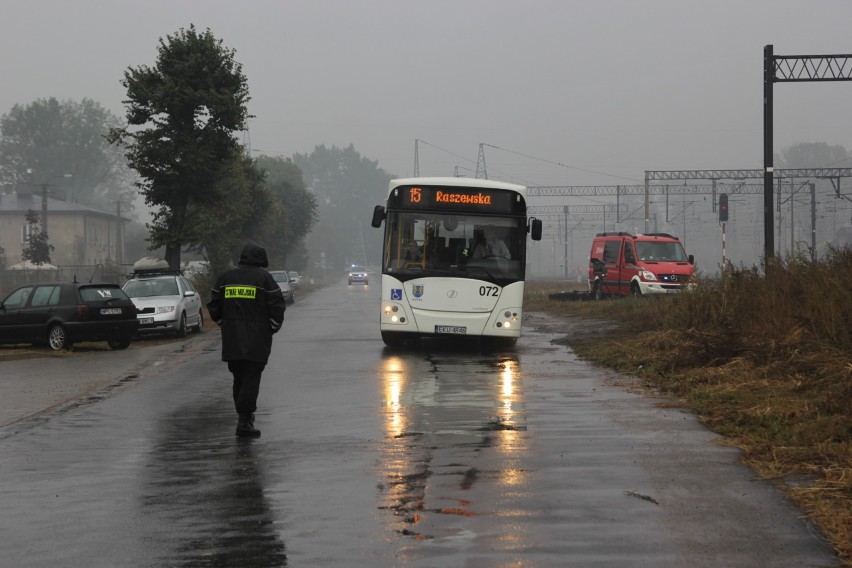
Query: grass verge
point(764, 357)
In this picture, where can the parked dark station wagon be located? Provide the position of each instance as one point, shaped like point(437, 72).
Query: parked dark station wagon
point(60, 314)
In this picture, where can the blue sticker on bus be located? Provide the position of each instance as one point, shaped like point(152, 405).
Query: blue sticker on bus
point(396, 293)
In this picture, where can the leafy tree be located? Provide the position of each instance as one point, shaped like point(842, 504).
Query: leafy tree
point(294, 215)
point(813, 155)
point(43, 141)
point(347, 187)
point(224, 226)
point(38, 249)
point(181, 118)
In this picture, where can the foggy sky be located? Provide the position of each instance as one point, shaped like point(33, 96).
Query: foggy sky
point(608, 89)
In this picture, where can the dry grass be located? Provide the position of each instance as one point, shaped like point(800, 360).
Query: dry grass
point(764, 357)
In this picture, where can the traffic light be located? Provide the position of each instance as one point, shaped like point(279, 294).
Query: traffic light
point(723, 207)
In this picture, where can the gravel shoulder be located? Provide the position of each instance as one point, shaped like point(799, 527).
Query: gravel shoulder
point(35, 384)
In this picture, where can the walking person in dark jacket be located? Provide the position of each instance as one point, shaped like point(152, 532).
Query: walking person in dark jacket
point(247, 303)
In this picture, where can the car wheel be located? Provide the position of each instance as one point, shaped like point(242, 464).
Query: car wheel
point(57, 337)
point(200, 325)
point(181, 330)
point(635, 291)
point(118, 342)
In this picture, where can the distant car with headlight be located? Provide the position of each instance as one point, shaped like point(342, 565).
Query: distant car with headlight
point(358, 274)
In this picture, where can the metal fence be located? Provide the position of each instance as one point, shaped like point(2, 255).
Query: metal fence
point(11, 279)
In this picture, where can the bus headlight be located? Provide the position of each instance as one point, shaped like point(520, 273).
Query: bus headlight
point(510, 319)
point(393, 314)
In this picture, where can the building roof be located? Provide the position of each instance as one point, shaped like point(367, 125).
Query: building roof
point(20, 203)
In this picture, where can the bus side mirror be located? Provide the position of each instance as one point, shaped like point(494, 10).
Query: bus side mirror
point(378, 216)
point(535, 229)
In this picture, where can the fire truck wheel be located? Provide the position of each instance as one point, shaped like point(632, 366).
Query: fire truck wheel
point(635, 291)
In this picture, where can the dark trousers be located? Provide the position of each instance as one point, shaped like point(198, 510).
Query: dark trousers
point(246, 385)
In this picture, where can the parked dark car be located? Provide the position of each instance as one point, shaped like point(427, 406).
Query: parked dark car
point(60, 314)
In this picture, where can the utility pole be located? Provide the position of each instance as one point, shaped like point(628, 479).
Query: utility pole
point(768, 166)
point(792, 224)
point(44, 187)
point(481, 172)
point(416, 158)
point(119, 235)
point(813, 220)
point(44, 208)
point(565, 212)
point(790, 68)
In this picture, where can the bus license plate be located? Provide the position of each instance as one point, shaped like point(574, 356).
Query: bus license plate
point(451, 329)
point(110, 311)
point(146, 321)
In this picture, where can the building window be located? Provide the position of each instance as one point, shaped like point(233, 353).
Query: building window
point(27, 232)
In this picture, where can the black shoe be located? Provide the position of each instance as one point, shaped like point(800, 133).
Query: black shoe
point(245, 427)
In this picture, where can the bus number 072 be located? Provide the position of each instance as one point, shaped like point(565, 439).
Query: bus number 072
point(488, 290)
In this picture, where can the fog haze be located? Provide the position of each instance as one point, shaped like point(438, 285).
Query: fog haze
point(561, 92)
point(612, 87)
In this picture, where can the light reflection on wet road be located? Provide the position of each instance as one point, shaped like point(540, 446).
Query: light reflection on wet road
point(439, 456)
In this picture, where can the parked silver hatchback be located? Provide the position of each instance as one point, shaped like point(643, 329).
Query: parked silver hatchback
point(166, 304)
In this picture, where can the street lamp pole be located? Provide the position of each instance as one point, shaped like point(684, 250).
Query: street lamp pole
point(44, 187)
point(44, 208)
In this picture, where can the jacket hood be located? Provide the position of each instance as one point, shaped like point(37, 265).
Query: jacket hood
point(254, 255)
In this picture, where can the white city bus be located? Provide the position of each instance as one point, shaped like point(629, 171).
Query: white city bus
point(441, 276)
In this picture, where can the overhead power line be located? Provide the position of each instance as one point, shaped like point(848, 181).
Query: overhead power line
point(559, 163)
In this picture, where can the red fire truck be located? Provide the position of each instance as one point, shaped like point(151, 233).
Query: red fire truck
point(622, 264)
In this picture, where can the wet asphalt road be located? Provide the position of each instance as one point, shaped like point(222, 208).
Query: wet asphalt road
point(440, 456)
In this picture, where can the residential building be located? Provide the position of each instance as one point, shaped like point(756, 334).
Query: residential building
point(80, 235)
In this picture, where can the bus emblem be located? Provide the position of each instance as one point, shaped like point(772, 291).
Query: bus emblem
point(418, 290)
point(452, 294)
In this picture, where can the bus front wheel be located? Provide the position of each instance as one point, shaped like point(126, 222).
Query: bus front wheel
point(498, 343)
point(393, 338)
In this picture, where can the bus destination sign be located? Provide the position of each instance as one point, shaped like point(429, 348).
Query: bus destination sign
point(437, 197)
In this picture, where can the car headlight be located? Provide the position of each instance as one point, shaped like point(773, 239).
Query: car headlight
point(648, 275)
point(165, 309)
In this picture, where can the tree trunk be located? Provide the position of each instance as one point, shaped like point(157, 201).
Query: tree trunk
point(173, 257)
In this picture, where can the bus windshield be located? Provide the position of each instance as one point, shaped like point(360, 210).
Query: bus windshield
point(457, 245)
